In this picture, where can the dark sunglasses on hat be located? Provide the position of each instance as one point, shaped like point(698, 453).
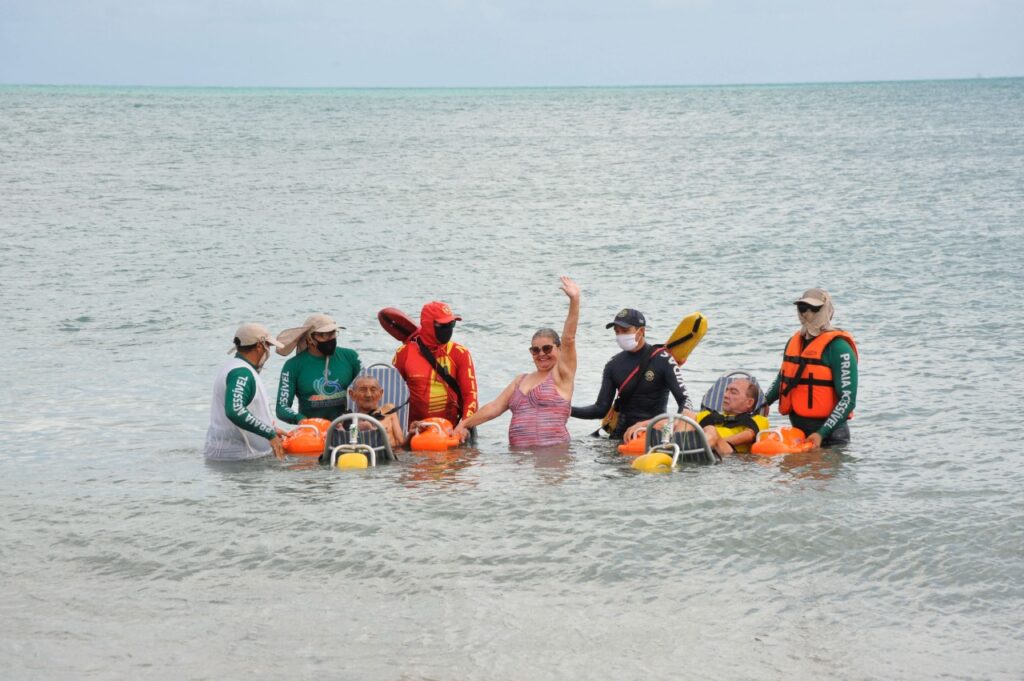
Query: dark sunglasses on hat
point(804, 307)
point(546, 349)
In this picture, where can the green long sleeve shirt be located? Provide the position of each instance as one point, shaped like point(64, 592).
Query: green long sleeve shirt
point(319, 396)
point(842, 360)
point(241, 389)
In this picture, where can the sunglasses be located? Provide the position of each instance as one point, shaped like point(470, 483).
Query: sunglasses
point(545, 349)
point(804, 307)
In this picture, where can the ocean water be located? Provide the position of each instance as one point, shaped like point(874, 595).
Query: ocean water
point(139, 227)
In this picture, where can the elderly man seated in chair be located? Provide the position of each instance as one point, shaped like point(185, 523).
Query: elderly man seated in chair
point(366, 392)
point(731, 430)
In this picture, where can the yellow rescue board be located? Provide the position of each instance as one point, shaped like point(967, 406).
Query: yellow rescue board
point(680, 344)
point(686, 336)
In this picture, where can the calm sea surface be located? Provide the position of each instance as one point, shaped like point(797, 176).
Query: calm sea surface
point(139, 227)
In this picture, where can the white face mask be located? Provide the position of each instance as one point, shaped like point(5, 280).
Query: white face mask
point(626, 341)
point(263, 362)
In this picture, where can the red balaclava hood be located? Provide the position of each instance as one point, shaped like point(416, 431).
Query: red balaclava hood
point(434, 311)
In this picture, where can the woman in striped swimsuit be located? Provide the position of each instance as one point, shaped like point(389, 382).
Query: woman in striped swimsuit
point(540, 401)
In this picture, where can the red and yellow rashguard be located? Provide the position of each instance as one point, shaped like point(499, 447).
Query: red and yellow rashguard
point(430, 395)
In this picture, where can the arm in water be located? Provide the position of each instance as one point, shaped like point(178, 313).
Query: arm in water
point(465, 375)
point(843, 361)
point(598, 409)
point(491, 410)
point(673, 375)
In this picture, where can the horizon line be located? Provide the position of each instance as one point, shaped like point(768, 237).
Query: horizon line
point(511, 87)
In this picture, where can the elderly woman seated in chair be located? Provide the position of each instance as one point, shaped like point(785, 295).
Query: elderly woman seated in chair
point(366, 392)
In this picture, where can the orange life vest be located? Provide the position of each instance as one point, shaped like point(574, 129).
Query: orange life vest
point(806, 388)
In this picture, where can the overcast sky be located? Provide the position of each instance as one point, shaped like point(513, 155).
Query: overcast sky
point(385, 43)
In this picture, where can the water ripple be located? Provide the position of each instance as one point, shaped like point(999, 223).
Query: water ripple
point(141, 226)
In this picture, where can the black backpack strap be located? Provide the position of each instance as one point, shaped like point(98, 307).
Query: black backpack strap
point(442, 372)
point(629, 386)
point(380, 413)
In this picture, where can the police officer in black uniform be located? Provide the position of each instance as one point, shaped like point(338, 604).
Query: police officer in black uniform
point(642, 375)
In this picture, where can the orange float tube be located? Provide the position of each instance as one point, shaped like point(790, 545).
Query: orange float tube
point(308, 438)
point(784, 440)
point(635, 446)
point(434, 435)
point(320, 424)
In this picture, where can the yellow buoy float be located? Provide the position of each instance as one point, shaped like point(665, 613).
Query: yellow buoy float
point(352, 460)
point(653, 462)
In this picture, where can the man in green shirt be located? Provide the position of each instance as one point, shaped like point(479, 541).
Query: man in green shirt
point(241, 425)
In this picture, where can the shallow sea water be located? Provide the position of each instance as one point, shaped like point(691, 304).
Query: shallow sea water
point(139, 227)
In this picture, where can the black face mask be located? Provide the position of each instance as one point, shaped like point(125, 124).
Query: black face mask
point(444, 332)
point(327, 347)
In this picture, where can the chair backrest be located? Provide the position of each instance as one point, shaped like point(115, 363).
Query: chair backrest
point(712, 399)
point(396, 391)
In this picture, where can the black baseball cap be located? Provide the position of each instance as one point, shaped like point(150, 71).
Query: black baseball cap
point(626, 317)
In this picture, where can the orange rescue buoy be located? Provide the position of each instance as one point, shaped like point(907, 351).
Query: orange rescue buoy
point(321, 424)
point(308, 438)
point(636, 445)
point(434, 435)
point(784, 440)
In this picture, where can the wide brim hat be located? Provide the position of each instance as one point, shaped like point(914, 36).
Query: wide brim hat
point(295, 337)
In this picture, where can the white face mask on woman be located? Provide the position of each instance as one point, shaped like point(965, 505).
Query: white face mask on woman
point(626, 341)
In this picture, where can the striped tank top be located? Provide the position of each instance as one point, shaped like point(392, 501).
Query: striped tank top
point(538, 417)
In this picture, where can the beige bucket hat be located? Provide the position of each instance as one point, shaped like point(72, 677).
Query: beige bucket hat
point(814, 296)
point(252, 333)
point(296, 337)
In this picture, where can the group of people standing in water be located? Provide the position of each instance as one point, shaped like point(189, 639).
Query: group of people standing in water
point(816, 385)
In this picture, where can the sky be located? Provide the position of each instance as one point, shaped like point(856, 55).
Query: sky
point(501, 43)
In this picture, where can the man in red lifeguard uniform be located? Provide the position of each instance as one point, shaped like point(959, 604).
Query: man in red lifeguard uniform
point(440, 374)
